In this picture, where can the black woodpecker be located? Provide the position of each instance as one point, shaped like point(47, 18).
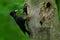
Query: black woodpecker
point(20, 22)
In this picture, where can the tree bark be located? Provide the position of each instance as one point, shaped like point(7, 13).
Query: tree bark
point(43, 19)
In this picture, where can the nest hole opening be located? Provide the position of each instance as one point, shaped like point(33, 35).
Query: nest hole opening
point(48, 5)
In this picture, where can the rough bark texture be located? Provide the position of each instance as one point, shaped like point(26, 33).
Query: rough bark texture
point(43, 19)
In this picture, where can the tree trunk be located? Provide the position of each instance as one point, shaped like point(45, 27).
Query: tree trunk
point(43, 19)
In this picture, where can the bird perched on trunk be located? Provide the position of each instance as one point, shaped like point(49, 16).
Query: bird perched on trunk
point(20, 22)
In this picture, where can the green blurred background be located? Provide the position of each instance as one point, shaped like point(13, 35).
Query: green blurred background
point(9, 30)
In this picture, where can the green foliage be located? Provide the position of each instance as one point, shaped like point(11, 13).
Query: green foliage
point(58, 6)
point(9, 30)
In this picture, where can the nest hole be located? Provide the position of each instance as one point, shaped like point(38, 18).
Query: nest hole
point(48, 5)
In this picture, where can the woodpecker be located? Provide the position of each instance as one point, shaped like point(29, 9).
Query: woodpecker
point(20, 22)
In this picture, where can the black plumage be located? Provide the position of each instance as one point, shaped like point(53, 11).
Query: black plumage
point(20, 21)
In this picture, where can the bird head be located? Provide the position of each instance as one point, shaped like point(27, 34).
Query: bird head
point(12, 13)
